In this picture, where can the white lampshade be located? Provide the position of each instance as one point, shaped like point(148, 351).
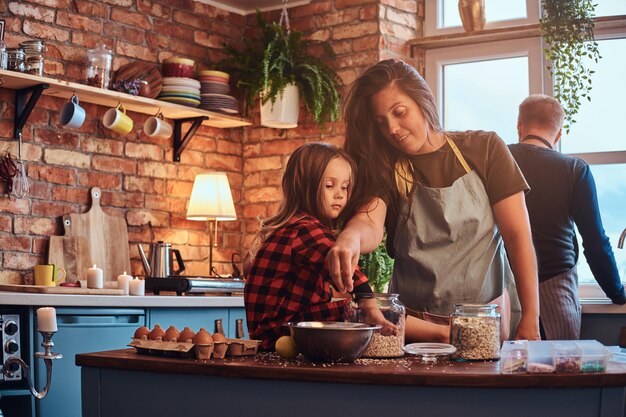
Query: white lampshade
point(211, 198)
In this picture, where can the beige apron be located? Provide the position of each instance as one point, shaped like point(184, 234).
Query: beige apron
point(450, 251)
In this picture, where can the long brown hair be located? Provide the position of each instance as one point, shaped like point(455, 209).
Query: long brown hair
point(376, 159)
point(302, 191)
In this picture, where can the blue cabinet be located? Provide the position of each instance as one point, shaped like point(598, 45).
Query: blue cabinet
point(81, 330)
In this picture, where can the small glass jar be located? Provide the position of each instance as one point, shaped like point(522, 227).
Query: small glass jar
point(15, 59)
point(33, 56)
point(3, 55)
point(99, 67)
point(382, 345)
point(475, 332)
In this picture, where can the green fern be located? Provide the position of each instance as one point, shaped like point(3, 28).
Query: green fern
point(266, 66)
point(378, 266)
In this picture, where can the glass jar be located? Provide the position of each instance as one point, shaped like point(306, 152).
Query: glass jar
point(15, 59)
point(99, 67)
point(475, 332)
point(382, 345)
point(3, 55)
point(33, 56)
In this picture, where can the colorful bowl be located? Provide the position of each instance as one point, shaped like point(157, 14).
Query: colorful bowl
point(177, 70)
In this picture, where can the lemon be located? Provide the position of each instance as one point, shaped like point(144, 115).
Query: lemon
point(286, 347)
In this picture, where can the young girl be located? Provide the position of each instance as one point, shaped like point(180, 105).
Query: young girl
point(289, 279)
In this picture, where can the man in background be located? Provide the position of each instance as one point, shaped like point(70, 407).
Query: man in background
point(562, 193)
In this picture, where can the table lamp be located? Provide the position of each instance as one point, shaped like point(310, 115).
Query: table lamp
point(211, 200)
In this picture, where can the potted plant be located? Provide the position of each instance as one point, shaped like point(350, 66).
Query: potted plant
point(567, 30)
point(275, 62)
point(378, 267)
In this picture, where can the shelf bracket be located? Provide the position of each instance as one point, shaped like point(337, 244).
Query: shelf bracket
point(180, 142)
point(23, 108)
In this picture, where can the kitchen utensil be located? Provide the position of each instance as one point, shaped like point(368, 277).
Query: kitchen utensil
point(117, 120)
point(106, 236)
point(72, 115)
point(331, 341)
point(160, 264)
point(36, 289)
point(69, 252)
point(142, 71)
point(21, 184)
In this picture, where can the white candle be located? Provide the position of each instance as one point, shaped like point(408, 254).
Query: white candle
point(122, 282)
point(47, 319)
point(137, 287)
point(95, 277)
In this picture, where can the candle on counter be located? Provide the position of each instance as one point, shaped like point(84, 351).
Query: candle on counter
point(95, 277)
point(122, 282)
point(47, 319)
point(137, 287)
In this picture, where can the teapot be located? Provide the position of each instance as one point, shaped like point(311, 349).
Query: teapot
point(160, 264)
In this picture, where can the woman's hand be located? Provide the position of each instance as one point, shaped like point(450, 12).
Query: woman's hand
point(362, 234)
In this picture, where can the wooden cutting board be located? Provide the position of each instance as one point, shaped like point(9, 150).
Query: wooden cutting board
point(141, 71)
point(70, 253)
point(106, 236)
point(38, 289)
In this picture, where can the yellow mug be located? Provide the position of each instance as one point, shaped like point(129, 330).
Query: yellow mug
point(46, 275)
point(117, 120)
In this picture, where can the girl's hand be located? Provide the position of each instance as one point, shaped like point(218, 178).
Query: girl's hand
point(373, 315)
point(342, 259)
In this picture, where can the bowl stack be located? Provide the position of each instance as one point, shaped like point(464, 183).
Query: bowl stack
point(214, 92)
point(178, 85)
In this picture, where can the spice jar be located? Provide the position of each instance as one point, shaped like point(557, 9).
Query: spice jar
point(33, 56)
point(383, 345)
point(15, 59)
point(3, 55)
point(99, 67)
point(475, 332)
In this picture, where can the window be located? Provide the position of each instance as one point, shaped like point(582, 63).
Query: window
point(480, 87)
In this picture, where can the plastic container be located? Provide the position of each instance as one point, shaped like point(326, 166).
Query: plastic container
point(99, 67)
point(382, 345)
point(475, 332)
point(540, 357)
point(595, 356)
point(514, 357)
point(567, 357)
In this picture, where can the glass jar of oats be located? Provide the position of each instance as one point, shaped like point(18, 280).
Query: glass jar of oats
point(384, 344)
point(475, 332)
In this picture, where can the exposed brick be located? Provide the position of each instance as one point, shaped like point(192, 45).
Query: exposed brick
point(264, 194)
point(263, 163)
point(15, 243)
point(51, 174)
point(130, 18)
point(144, 185)
point(126, 199)
point(39, 31)
point(105, 146)
point(142, 217)
point(78, 22)
point(189, 157)
point(136, 51)
point(255, 210)
point(153, 169)
point(71, 195)
point(128, 34)
point(13, 205)
point(398, 31)
point(54, 137)
point(195, 253)
point(176, 237)
point(206, 39)
point(178, 188)
point(15, 260)
point(154, 9)
point(51, 209)
point(11, 277)
point(112, 164)
point(37, 13)
point(63, 157)
point(34, 226)
point(190, 19)
point(175, 31)
point(144, 151)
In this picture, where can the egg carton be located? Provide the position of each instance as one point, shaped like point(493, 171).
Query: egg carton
point(215, 350)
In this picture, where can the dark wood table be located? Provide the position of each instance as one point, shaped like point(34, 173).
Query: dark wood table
point(122, 383)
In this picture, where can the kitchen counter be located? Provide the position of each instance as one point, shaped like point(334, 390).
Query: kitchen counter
point(122, 383)
point(61, 300)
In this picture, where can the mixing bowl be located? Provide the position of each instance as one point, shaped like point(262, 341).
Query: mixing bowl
point(330, 341)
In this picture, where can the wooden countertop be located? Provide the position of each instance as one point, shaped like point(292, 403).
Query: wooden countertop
point(401, 371)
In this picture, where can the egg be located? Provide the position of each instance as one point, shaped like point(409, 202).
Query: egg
point(171, 334)
point(186, 335)
point(219, 345)
point(157, 333)
point(203, 337)
point(218, 337)
point(141, 333)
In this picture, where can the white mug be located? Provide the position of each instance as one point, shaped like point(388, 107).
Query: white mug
point(72, 115)
point(156, 127)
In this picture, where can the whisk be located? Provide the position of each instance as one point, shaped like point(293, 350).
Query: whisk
point(21, 184)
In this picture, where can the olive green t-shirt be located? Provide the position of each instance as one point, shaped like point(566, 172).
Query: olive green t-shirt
point(484, 152)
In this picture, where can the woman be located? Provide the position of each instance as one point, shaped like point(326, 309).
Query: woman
point(448, 200)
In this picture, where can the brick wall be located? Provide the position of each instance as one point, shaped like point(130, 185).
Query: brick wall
point(136, 173)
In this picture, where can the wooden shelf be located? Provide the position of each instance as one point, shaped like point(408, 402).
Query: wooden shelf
point(502, 34)
point(110, 98)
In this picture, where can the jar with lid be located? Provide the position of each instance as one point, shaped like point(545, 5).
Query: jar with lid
point(33, 56)
point(383, 344)
point(99, 67)
point(15, 59)
point(475, 332)
point(3, 55)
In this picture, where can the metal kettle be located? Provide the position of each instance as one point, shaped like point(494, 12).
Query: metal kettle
point(161, 262)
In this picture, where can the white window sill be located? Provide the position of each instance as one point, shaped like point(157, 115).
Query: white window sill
point(594, 301)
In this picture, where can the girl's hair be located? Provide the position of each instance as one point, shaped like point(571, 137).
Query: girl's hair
point(376, 159)
point(301, 187)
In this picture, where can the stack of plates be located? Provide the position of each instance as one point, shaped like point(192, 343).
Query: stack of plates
point(181, 90)
point(214, 92)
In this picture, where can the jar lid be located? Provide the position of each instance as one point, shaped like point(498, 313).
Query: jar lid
point(430, 353)
point(101, 49)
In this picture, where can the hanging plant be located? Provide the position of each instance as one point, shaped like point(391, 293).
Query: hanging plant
point(378, 267)
point(567, 30)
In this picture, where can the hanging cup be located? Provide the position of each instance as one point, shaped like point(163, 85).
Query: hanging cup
point(156, 127)
point(72, 115)
point(117, 120)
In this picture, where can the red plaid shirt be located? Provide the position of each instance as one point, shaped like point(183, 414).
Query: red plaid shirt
point(289, 280)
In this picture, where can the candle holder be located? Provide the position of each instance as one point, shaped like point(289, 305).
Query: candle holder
point(47, 355)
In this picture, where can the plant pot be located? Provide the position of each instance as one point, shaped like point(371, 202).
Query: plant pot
point(472, 14)
point(283, 113)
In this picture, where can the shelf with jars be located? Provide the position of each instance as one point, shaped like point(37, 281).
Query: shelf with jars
point(30, 87)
